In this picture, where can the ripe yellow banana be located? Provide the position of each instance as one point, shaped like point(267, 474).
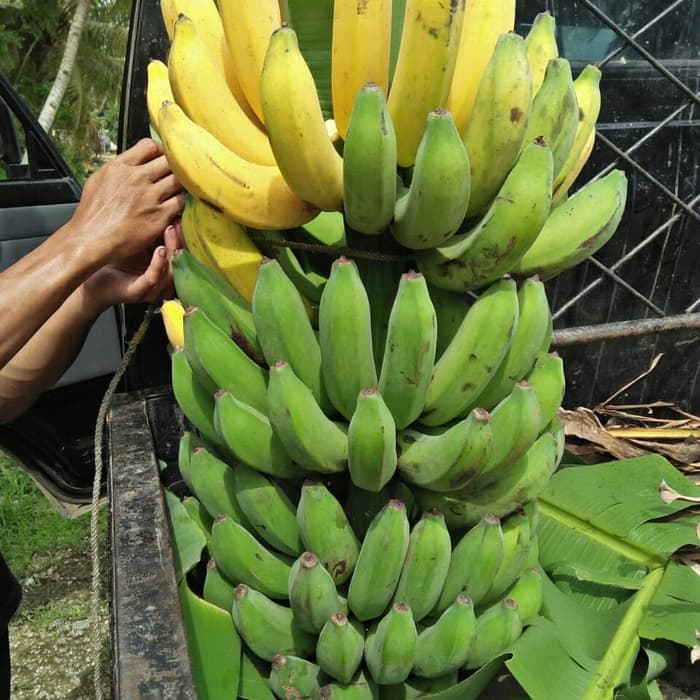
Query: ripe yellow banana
point(173, 314)
point(484, 21)
point(300, 141)
point(201, 90)
point(193, 242)
point(360, 52)
point(541, 42)
point(254, 195)
point(429, 42)
point(158, 90)
point(248, 25)
point(562, 191)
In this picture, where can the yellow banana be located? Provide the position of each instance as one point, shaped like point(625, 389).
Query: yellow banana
point(484, 21)
point(360, 52)
point(193, 241)
point(541, 43)
point(254, 195)
point(157, 91)
point(563, 189)
point(236, 257)
point(303, 149)
point(248, 25)
point(173, 314)
point(426, 60)
point(201, 90)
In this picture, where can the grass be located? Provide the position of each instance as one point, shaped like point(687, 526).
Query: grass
point(28, 523)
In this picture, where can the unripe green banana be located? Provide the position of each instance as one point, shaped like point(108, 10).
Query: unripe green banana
point(340, 647)
point(448, 458)
point(249, 436)
point(217, 590)
point(444, 647)
point(433, 208)
point(527, 592)
point(369, 163)
point(450, 309)
point(426, 565)
point(532, 511)
point(283, 326)
point(220, 363)
point(390, 648)
point(326, 532)
point(294, 677)
point(474, 354)
point(548, 380)
point(371, 442)
point(541, 45)
point(380, 562)
point(345, 334)
point(361, 687)
point(299, 423)
point(415, 687)
point(505, 232)
point(188, 441)
point(361, 506)
point(268, 628)
point(268, 509)
point(516, 547)
point(577, 228)
point(242, 559)
point(494, 133)
point(214, 485)
point(554, 114)
point(199, 514)
point(496, 629)
point(312, 593)
point(198, 285)
point(409, 353)
point(532, 333)
point(475, 560)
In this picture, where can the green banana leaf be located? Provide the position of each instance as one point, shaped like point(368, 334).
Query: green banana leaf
point(312, 20)
point(186, 536)
point(613, 586)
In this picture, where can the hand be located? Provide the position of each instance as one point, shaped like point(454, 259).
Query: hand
point(127, 204)
point(144, 277)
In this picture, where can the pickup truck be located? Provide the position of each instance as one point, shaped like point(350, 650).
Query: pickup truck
point(648, 126)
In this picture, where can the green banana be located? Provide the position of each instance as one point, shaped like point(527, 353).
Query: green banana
point(390, 648)
point(198, 285)
point(299, 422)
point(199, 514)
point(426, 565)
point(506, 231)
point(475, 560)
point(433, 208)
point(415, 687)
point(268, 509)
point(268, 628)
point(220, 363)
point(340, 647)
point(242, 559)
point(554, 114)
point(380, 562)
point(549, 383)
point(474, 354)
point(326, 532)
point(527, 592)
point(217, 590)
point(250, 437)
point(541, 46)
point(345, 334)
point(496, 629)
point(313, 596)
point(447, 459)
point(369, 163)
point(444, 647)
point(283, 327)
point(360, 687)
point(496, 128)
point(371, 442)
point(409, 354)
point(577, 228)
point(188, 441)
point(531, 335)
point(450, 309)
point(295, 677)
point(327, 228)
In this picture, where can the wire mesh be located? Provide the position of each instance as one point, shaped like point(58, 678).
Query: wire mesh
point(646, 276)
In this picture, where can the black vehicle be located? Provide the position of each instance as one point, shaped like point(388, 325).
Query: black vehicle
point(645, 86)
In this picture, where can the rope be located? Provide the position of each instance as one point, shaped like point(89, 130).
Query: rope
point(96, 588)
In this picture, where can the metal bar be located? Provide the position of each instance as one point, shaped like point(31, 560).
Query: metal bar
point(579, 335)
point(639, 32)
point(641, 50)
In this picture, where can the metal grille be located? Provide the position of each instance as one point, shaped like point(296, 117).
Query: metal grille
point(640, 295)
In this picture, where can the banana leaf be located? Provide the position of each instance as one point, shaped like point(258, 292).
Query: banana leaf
point(614, 593)
point(186, 536)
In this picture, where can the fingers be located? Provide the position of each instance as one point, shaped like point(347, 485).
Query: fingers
point(142, 152)
point(155, 280)
point(172, 207)
point(167, 187)
point(157, 168)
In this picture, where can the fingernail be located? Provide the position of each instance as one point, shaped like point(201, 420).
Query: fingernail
point(161, 251)
point(170, 229)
